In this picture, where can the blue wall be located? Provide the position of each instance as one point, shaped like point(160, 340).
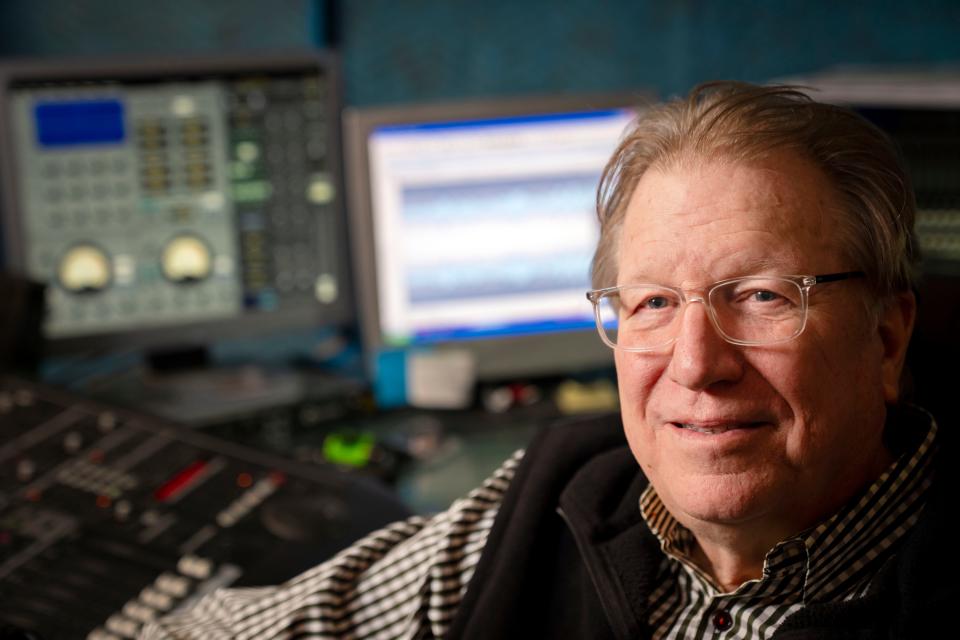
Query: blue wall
point(411, 50)
point(110, 27)
point(399, 51)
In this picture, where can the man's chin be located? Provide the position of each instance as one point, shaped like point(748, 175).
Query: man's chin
point(720, 501)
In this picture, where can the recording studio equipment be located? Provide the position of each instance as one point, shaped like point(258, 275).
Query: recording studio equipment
point(920, 110)
point(175, 201)
point(109, 518)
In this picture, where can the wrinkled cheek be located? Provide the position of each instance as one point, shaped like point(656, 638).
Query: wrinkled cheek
point(632, 414)
point(637, 376)
point(643, 446)
point(636, 382)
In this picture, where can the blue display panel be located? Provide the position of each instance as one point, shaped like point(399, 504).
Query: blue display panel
point(200, 195)
point(81, 122)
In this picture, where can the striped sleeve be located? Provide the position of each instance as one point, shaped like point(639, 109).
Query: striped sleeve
point(403, 581)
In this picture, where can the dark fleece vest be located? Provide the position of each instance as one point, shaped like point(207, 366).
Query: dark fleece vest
point(569, 555)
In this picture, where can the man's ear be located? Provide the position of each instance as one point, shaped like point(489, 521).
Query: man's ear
point(895, 326)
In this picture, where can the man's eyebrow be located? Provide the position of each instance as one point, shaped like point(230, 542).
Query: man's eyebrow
point(748, 267)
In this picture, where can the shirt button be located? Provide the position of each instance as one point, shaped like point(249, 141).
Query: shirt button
point(722, 620)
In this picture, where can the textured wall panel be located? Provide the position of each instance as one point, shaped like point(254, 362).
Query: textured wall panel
point(104, 27)
point(411, 50)
point(398, 51)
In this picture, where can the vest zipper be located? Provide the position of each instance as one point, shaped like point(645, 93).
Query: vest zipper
point(606, 591)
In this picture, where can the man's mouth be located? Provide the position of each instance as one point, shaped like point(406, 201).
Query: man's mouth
point(716, 429)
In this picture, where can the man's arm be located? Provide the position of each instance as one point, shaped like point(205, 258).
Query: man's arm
point(404, 581)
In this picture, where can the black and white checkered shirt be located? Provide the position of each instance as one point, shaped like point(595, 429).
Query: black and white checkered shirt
point(407, 580)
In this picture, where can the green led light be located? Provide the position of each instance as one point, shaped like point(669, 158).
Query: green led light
point(353, 450)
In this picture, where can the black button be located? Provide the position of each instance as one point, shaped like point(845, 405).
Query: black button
point(722, 620)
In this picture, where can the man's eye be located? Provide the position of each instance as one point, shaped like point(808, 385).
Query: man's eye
point(764, 296)
point(647, 304)
point(654, 303)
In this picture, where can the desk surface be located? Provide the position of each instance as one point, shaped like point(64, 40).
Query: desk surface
point(453, 451)
point(463, 461)
point(462, 448)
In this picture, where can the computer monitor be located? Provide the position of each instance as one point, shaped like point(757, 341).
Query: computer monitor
point(175, 201)
point(474, 224)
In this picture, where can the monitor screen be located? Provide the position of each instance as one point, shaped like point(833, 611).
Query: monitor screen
point(176, 200)
point(475, 226)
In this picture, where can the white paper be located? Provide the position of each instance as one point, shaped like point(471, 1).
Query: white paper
point(440, 379)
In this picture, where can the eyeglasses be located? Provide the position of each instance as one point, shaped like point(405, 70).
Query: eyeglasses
point(753, 310)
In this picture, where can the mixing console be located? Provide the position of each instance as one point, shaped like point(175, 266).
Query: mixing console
point(109, 518)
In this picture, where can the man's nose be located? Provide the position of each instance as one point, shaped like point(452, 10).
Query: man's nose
point(701, 357)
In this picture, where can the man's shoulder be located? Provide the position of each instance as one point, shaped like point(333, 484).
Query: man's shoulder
point(558, 454)
point(583, 466)
point(568, 444)
point(530, 567)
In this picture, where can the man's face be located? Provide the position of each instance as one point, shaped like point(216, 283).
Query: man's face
point(784, 433)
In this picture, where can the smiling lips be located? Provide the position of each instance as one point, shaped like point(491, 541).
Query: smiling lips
point(716, 428)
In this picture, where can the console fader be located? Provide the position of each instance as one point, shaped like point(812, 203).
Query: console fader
point(109, 518)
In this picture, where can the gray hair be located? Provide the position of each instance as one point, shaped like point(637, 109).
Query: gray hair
point(742, 122)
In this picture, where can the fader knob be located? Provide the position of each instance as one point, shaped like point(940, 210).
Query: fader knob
point(72, 442)
point(26, 470)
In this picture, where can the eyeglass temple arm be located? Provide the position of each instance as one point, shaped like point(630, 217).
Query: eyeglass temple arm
point(833, 277)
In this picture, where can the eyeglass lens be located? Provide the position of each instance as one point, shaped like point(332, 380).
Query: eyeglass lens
point(750, 310)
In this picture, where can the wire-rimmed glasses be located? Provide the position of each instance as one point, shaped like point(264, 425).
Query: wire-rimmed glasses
point(750, 310)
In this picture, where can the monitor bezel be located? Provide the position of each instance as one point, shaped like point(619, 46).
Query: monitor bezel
point(499, 358)
point(13, 72)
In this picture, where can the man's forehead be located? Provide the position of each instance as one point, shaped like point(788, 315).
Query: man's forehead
point(777, 179)
point(748, 217)
point(782, 186)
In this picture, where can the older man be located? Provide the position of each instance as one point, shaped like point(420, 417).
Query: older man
point(754, 274)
